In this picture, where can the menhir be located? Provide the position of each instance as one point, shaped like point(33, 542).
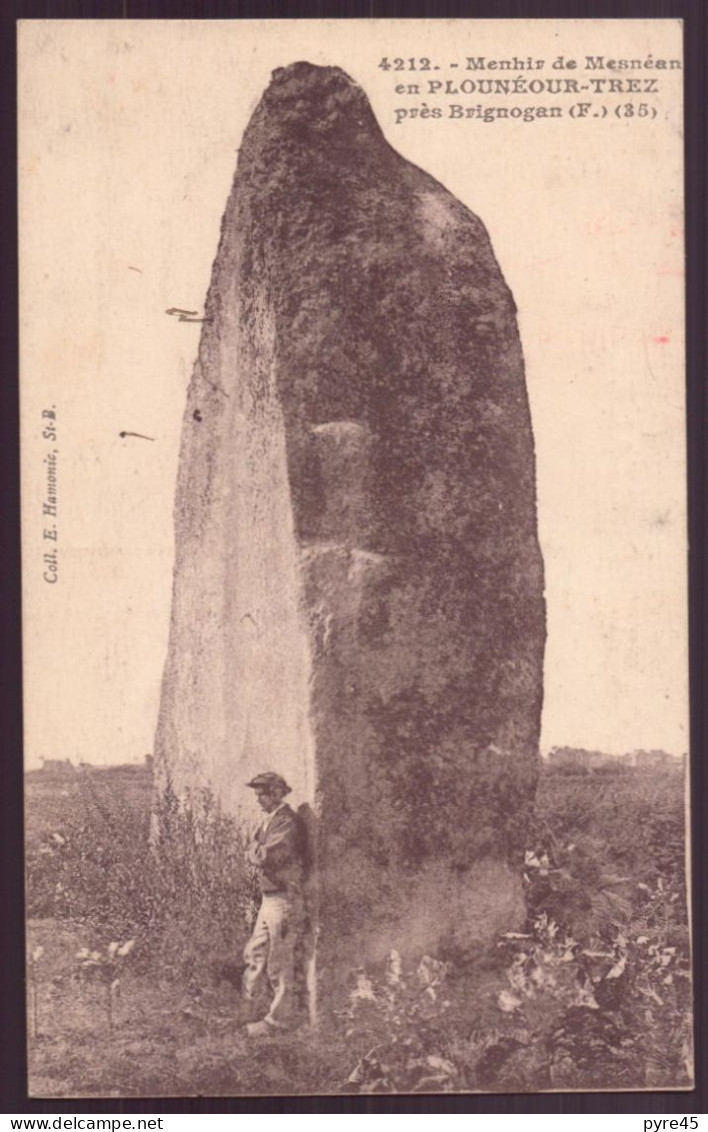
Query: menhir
point(358, 594)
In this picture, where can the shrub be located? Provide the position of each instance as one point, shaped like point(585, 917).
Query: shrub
point(573, 885)
point(638, 819)
point(597, 994)
point(186, 895)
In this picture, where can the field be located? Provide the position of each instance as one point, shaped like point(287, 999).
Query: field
point(133, 956)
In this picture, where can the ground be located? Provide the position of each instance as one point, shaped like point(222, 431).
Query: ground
point(133, 970)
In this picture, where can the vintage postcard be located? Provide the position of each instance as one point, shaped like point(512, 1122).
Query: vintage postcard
point(354, 557)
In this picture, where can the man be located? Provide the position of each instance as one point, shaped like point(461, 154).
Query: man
point(278, 852)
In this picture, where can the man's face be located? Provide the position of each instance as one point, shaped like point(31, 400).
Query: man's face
point(268, 798)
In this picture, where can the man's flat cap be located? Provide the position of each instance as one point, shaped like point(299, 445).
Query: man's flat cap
point(268, 780)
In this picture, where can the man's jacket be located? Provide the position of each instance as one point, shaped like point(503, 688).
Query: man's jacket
point(278, 851)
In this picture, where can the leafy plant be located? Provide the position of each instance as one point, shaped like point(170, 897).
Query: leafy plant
point(611, 1006)
point(402, 1018)
point(637, 819)
point(594, 992)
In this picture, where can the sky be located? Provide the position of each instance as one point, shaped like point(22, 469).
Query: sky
point(129, 133)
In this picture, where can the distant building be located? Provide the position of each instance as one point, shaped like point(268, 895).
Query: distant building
point(651, 760)
point(578, 758)
point(58, 766)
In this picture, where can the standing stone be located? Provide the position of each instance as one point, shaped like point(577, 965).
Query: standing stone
point(358, 591)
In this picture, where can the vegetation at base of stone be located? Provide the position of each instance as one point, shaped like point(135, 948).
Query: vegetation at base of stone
point(610, 1012)
point(594, 992)
point(428, 802)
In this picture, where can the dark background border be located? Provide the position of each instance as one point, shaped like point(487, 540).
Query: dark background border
point(13, 1090)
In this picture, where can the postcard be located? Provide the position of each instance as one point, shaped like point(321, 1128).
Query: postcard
point(354, 556)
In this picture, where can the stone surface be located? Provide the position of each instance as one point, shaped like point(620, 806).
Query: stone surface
point(358, 593)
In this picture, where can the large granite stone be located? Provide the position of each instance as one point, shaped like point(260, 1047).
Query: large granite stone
point(358, 592)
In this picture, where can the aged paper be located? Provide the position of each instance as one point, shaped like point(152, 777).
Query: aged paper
point(565, 139)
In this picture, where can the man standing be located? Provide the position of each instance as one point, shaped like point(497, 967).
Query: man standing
point(278, 852)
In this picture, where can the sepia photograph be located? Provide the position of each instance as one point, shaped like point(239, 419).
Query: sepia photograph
point(354, 557)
